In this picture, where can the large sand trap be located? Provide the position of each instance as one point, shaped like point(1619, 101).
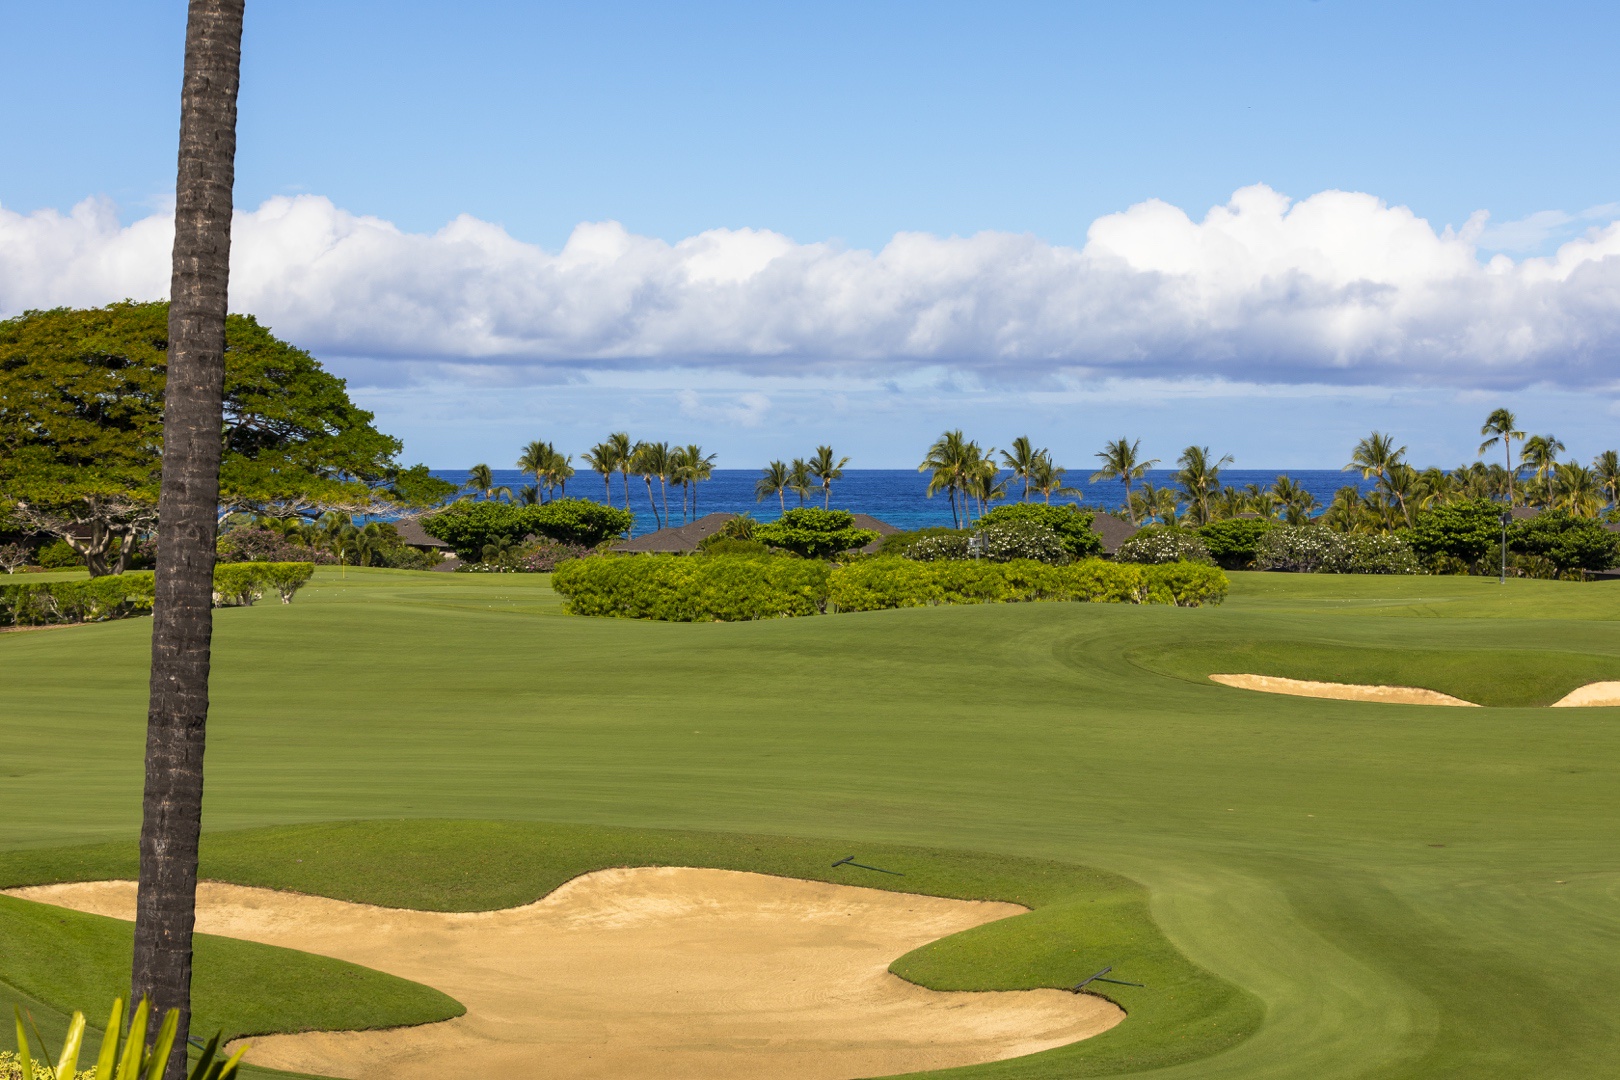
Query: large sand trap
point(1595, 694)
point(646, 973)
point(1401, 695)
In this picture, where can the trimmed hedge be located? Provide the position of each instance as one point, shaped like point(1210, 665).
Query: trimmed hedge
point(676, 588)
point(874, 584)
point(733, 588)
point(118, 596)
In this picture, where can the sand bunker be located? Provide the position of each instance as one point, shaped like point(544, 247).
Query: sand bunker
point(652, 972)
point(1400, 695)
point(1596, 694)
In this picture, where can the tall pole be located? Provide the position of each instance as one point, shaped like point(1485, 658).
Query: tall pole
point(193, 416)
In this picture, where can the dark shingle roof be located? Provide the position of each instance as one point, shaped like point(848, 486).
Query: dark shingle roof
point(411, 532)
point(1114, 531)
point(677, 538)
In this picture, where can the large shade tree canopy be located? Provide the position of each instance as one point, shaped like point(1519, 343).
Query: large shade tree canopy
point(81, 429)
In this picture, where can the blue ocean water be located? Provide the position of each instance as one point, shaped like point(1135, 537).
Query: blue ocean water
point(898, 496)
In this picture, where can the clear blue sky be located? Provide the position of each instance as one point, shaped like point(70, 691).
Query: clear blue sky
point(847, 123)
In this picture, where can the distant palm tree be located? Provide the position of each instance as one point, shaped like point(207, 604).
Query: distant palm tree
point(1377, 456)
point(1607, 467)
point(1200, 480)
point(1021, 460)
point(1294, 501)
point(481, 482)
point(623, 452)
point(648, 460)
point(1345, 511)
point(800, 480)
point(529, 495)
point(1576, 489)
point(697, 467)
point(955, 464)
point(1405, 485)
point(775, 481)
point(1502, 427)
point(1120, 463)
point(1046, 478)
point(603, 459)
point(536, 459)
point(985, 485)
point(826, 470)
point(1540, 455)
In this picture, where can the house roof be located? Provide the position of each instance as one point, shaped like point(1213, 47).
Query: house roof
point(1114, 531)
point(411, 532)
point(677, 538)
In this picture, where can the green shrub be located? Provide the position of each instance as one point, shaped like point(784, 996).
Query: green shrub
point(730, 545)
point(58, 555)
point(1463, 532)
point(1572, 545)
point(886, 582)
point(940, 544)
point(900, 543)
point(1298, 549)
point(1235, 542)
point(723, 588)
point(469, 527)
point(1021, 538)
point(740, 527)
point(813, 533)
point(118, 596)
point(1070, 523)
point(1157, 544)
point(45, 603)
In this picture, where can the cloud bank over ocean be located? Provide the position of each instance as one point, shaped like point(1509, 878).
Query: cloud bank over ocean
point(1337, 288)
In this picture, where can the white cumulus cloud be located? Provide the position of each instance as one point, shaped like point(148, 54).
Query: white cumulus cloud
point(1338, 287)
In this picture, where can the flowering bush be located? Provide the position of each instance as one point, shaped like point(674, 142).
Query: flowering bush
point(1071, 524)
point(951, 544)
point(1012, 539)
point(1311, 549)
point(11, 1069)
point(1159, 544)
point(535, 557)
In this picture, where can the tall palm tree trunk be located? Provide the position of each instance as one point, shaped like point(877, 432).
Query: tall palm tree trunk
point(182, 625)
point(652, 503)
point(781, 498)
point(1130, 511)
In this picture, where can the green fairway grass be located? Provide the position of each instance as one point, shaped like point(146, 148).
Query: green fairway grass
point(1407, 891)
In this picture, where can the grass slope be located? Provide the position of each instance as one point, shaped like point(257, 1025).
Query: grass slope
point(1409, 892)
point(1082, 920)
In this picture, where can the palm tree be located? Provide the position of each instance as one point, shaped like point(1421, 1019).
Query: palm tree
point(602, 458)
point(188, 502)
point(1022, 459)
point(984, 483)
point(1607, 467)
point(826, 470)
point(1405, 484)
point(950, 461)
point(1200, 479)
point(537, 458)
point(648, 460)
point(774, 481)
point(1576, 489)
point(696, 468)
point(1540, 454)
point(1296, 503)
point(800, 481)
point(623, 451)
point(481, 482)
point(1502, 426)
point(1376, 456)
point(1046, 478)
point(1231, 502)
point(1344, 513)
point(1120, 463)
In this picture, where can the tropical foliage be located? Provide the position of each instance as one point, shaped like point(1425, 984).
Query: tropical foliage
point(81, 397)
point(1070, 523)
point(470, 527)
point(117, 596)
point(122, 1055)
point(813, 533)
point(734, 587)
point(1157, 545)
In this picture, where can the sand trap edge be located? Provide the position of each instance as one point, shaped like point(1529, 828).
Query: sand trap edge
point(1591, 696)
point(1393, 695)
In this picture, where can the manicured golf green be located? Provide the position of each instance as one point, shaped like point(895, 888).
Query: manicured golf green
point(1407, 891)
